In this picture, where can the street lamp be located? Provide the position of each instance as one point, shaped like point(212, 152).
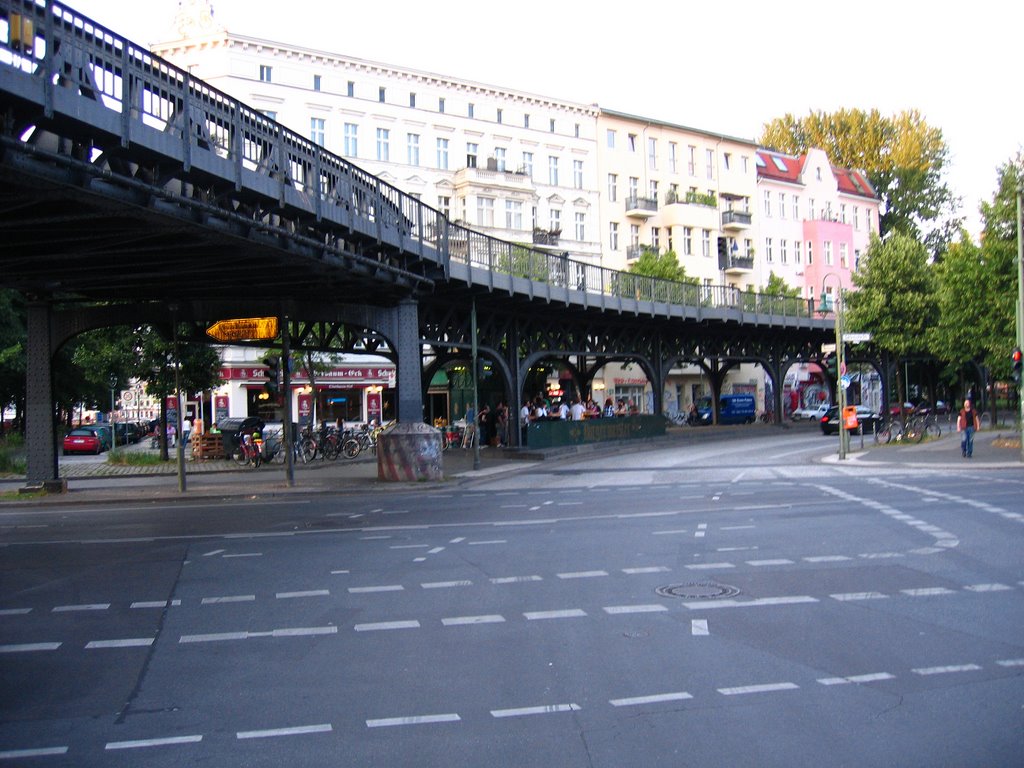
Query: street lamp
point(825, 307)
point(112, 381)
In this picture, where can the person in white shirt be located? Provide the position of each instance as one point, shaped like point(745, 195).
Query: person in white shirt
point(576, 410)
point(563, 411)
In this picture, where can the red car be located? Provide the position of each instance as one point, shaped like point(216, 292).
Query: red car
point(82, 441)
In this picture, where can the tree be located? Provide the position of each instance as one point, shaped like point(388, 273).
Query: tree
point(665, 266)
point(12, 351)
point(904, 159)
point(895, 299)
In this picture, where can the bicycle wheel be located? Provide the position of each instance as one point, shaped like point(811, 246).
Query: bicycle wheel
point(350, 449)
point(932, 429)
point(330, 448)
point(240, 456)
point(914, 432)
point(883, 435)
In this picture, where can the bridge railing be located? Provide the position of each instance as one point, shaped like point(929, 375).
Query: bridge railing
point(158, 107)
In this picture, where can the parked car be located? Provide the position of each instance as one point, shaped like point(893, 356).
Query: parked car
point(813, 413)
point(82, 440)
point(103, 432)
point(866, 419)
point(127, 433)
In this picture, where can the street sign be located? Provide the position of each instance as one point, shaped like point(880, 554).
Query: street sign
point(244, 329)
point(856, 338)
point(846, 381)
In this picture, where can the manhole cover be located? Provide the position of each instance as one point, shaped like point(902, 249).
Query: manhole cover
point(701, 590)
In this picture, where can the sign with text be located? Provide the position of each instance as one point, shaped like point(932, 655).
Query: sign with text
point(244, 329)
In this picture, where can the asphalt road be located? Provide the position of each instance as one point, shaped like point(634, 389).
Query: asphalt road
point(733, 603)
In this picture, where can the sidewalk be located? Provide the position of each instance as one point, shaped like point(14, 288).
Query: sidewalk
point(997, 448)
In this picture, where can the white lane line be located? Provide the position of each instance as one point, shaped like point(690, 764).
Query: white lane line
point(456, 621)
point(213, 637)
point(307, 593)
point(668, 533)
point(374, 538)
point(928, 592)
point(568, 613)
point(228, 599)
point(648, 569)
point(515, 579)
point(382, 588)
point(543, 710)
point(827, 559)
point(491, 541)
point(127, 642)
point(386, 722)
point(734, 549)
point(15, 611)
point(846, 596)
point(699, 627)
point(736, 527)
point(298, 730)
point(710, 566)
point(874, 677)
point(988, 587)
point(343, 571)
point(581, 574)
point(618, 609)
point(1011, 663)
point(779, 561)
point(765, 688)
point(457, 540)
point(142, 743)
point(946, 670)
point(435, 550)
point(760, 602)
point(213, 552)
point(15, 754)
point(287, 632)
point(409, 546)
point(29, 647)
point(88, 607)
point(701, 531)
point(446, 584)
point(386, 625)
point(880, 555)
point(247, 554)
point(156, 604)
point(655, 698)
point(547, 521)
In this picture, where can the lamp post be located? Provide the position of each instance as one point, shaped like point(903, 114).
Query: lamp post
point(837, 307)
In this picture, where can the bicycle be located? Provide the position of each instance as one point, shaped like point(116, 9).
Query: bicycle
point(250, 450)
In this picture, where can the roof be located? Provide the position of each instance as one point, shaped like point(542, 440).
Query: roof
point(782, 167)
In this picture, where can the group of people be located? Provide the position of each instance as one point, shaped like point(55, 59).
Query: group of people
point(576, 409)
point(490, 426)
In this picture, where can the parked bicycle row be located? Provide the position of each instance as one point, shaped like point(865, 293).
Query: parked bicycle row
point(326, 443)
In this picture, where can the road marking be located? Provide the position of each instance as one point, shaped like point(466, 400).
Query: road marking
point(548, 521)
point(88, 607)
point(1011, 663)
point(14, 754)
point(701, 531)
point(544, 710)
point(779, 561)
point(337, 572)
point(445, 584)
point(375, 538)
point(617, 609)
point(382, 588)
point(648, 569)
point(409, 546)
point(859, 596)
point(710, 566)
point(156, 604)
point(15, 611)
point(298, 730)
point(946, 670)
point(786, 600)
point(287, 632)
point(492, 541)
point(457, 540)
point(435, 550)
point(827, 559)
point(228, 599)
point(386, 625)
point(515, 579)
point(737, 527)
point(870, 678)
point(656, 698)
point(699, 627)
point(581, 574)
point(880, 555)
point(246, 554)
point(29, 647)
point(928, 591)
point(734, 549)
point(668, 533)
point(142, 743)
point(307, 593)
point(128, 642)
point(765, 688)
point(988, 587)
point(213, 552)
point(456, 621)
point(413, 720)
point(568, 613)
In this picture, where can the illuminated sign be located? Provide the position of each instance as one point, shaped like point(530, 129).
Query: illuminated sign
point(244, 329)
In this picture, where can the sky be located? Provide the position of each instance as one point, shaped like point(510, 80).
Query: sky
point(722, 67)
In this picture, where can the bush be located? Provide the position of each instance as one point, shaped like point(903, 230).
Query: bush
point(12, 454)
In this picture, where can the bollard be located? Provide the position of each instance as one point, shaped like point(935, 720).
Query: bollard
point(409, 453)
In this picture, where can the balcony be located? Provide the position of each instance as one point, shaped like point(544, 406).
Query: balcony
point(634, 252)
point(641, 207)
point(546, 237)
point(735, 221)
point(509, 181)
point(738, 265)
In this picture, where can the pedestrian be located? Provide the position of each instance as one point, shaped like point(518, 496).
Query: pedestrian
point(967, 423)
point(577, 410)
point(562, 410)
point(609, 408)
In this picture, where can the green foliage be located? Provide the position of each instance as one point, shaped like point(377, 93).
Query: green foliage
point(961, 297)
point(155, 359)
point(121, 458)
point(522, 261)
point(664, 266)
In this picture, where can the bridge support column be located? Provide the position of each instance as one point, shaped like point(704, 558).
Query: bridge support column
point(410, 364)
point(40, 431)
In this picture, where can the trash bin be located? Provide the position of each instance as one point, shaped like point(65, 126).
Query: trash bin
point(230, 429)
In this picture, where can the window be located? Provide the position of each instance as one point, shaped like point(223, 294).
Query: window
point(652, 154)
point(471, 111)
point(350, 89)
point(471, 153)
point(810, 209)
point(412, 146)
point(440, 105)
point(576, 130)
point(780, 164)
point(867, 219)
point(843, 256)
point(653, 190)
point(610, 138)
point(856, 218)
point(691, 163)
point(485, 211)
point(499, 158)
point(444, 205)
point(317, 129)
point(796, 252)
point(842, 212)
point(316, 82)
point(442, 154)
point(828, 253)
point(634, 186)
point(384, 145)
point(552, 170)
point(782, 207)
point(856, 258)
point(634, 235)
point(350, 148)
point(551, 125)
point(688, 241)
point(631, 142)
point(768, 255)
point(554, 220)
point(656, 238)
point(672, 159)
point(748, 248)
point(768, 203)
point(528, 164)
point(269, 113)
point(710, 158)
point(265, 73)
point(613, 184)
point(817, 173)
point(513, 214)
point(581, 226)
point(746, 164)
point(412, 100)
point(810, 253)
point(796, 207)
point(577, 174)
point(500, 115)
point(526, 120)
point(613, 236)
point(783, 251)
point(381, 94)
point(705, 243)
point(726, 157)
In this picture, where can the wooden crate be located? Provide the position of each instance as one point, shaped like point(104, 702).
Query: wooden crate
point(208, 446)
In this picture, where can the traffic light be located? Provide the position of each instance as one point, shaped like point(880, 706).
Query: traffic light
point(1016, 370)
point(273, 374)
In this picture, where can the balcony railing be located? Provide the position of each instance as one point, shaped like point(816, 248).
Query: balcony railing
point(546, 237)
point(641, 206)
point(735, 219)
point(739, 263)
